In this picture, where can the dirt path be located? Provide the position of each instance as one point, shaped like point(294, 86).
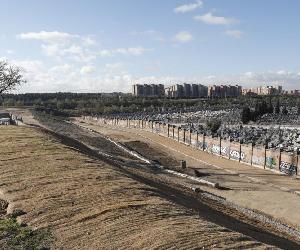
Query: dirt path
point(248, 186)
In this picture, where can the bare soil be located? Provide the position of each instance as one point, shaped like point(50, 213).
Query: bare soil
point(89, 204)
point(247, 186)
point(146, 150)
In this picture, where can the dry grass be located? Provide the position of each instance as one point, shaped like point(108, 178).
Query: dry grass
point(88, 204)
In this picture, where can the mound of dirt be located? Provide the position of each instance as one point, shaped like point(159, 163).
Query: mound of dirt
point(88, 204)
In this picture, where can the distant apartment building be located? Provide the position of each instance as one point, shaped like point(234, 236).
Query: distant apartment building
point(264, 90)
point(174, 91)
point(294, 92)
point(148, 90)
point(221, 91)
point(186, 91)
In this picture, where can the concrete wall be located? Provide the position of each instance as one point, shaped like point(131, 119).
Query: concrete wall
point(181, 135)
point(272, 159)
point(213, 145)
point(258, 157)
point(235, 151)
point(288, 163)
point(188, 137)
point(246, 153)
point(194, 139)
point(225, 148)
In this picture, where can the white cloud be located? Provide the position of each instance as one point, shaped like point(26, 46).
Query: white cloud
point(64, 47)
point(237, 34)
point(71, 78)
point(134, 51)
point(183, 37)
point(87, 69)
point(47, 37)
point(88, 41)
point(74, 52)
point(209, 18)
point(52, 50)
point(113, 65)
point(188, 7)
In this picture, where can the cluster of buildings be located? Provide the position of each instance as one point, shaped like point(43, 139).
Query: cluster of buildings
point(186, 90)
point(201, 91)
point(264, 90)
point(148, 90)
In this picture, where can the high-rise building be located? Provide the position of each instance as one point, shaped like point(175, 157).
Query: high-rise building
point(186, 91)
point(174, 91)
point(221, 91)
point(202, 90)
point(148, 90)
point(264, 90)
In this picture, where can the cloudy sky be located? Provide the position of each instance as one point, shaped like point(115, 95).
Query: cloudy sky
point(108, 45)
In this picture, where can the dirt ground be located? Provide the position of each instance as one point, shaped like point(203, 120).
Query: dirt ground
point(247, 186)
point(89, 204)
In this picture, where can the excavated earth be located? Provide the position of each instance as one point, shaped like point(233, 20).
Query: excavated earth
point(89, 201)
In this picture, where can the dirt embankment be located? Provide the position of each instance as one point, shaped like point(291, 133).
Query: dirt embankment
point(88, 204)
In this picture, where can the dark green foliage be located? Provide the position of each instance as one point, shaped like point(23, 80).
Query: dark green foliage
point(213, 125)
point(246, 115)
point(76, 104)
point(277, 107)
point(270, 107)
point(284, 111)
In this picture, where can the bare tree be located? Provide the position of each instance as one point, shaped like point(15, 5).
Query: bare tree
point(10, 77)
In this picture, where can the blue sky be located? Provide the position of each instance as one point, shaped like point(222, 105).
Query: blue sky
point(108, 45)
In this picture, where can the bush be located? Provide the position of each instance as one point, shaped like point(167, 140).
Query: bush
point(213, 125)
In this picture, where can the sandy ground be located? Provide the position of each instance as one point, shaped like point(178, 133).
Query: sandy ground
point(88, 204)
point(248, 186)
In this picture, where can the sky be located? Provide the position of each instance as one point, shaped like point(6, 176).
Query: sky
point(108, 45)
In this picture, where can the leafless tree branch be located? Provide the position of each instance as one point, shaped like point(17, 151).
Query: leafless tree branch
point(10, 77)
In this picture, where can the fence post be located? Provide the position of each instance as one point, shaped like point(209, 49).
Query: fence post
point(173, 130)
point(240, 153)
point(252, 145)
point(280, 151)
point(297, 168)
point(265, 161)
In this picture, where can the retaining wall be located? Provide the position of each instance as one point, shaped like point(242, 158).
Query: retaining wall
point(287, 163)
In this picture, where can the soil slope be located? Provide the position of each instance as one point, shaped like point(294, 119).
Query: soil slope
point(88, 204)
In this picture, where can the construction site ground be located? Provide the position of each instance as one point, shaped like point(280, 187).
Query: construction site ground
point(248, 186)
point(92, 195)
point(89, 204)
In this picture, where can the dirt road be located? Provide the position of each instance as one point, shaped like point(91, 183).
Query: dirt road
point(247, 186)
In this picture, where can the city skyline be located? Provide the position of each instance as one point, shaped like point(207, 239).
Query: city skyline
point(106, 46)
point(196, 90)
